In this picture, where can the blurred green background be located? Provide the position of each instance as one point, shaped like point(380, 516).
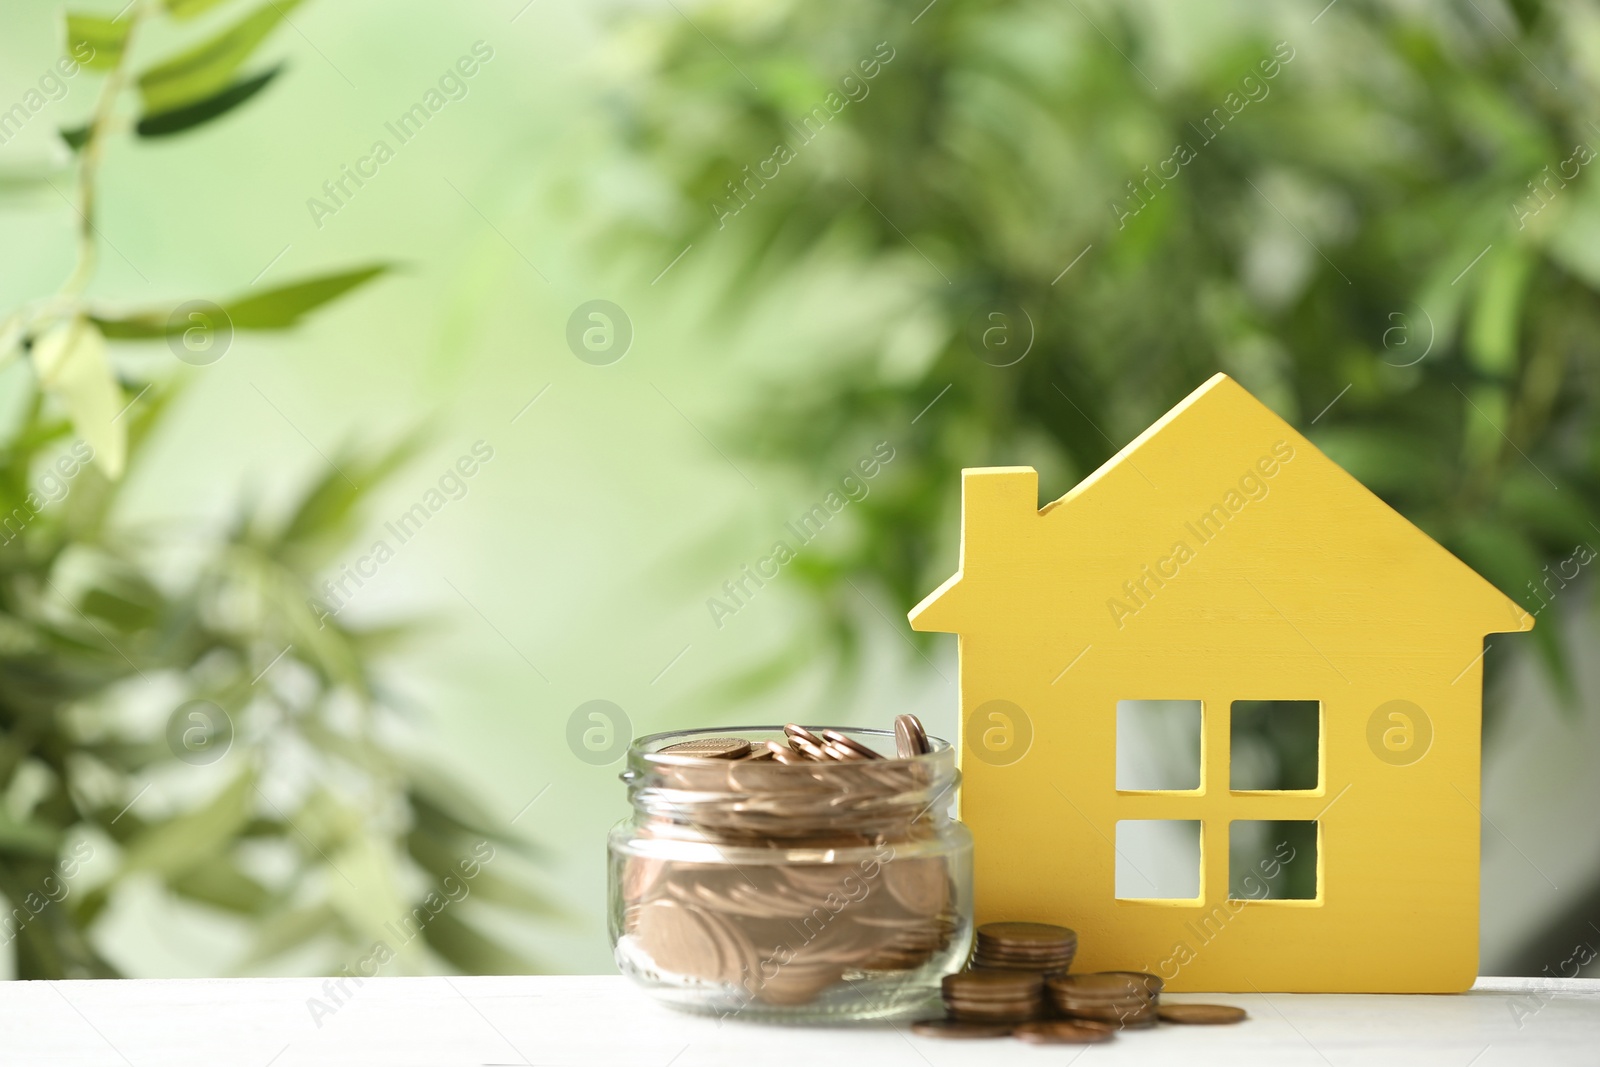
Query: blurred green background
point(1002, 233)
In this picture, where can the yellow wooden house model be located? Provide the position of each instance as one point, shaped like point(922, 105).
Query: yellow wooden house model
point(1220, 558)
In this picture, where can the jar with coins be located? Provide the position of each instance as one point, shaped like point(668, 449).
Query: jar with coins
point(792, 873)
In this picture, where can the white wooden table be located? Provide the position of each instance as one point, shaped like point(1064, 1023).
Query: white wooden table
point(599, 1021)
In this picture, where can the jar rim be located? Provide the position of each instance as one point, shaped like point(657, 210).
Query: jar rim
point(641, 747)
point(745, 797)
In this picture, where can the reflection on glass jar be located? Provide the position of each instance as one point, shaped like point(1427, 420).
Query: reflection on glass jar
point(837, 889)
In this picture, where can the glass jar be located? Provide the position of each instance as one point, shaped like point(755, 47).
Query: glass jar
point(820, 890)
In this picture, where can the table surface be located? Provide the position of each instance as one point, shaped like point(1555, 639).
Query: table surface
point(597, 1021)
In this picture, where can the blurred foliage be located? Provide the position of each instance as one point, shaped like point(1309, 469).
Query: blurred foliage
point(177, 707)
point(1378, 216)
point(1379, 244)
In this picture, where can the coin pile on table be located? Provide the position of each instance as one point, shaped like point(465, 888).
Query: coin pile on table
point(993, 996)
point(782, 926)
point(1201, 1014)
point(1019, 987)
point(1038, 947)
point(1125, 998)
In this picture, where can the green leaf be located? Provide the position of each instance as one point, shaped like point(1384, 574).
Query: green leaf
point(221, 884)
point(275, 309)
point(75, 137)
point(27, 838)
point(278, 309)
point(131, 608)
point(289, 930)
point(166, 123)
point(206, 68)
point(491, 887)
point(99, 39)
point(329, 504)
point(439, 804)
point(71, 362)
point(468, 950)
point(35, 179)
point(188, 9)
point(1492, 331)
point(176, 846)
point(12, 329)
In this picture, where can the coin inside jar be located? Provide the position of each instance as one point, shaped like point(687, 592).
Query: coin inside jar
point(910, 739)
point(849, 744)
point(782, 753)
point(807, 743)
point(822, 822)
point(794, 730)
point(710, 748)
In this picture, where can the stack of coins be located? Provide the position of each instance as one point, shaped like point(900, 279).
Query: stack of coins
point(1123, 998)
point(1037, 947)
point(998, 997)
point(839, 874)
point(994, 996)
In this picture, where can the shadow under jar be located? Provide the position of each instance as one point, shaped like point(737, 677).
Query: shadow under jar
point(809, 891)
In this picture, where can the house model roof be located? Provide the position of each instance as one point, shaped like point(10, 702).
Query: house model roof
point(1219, 511)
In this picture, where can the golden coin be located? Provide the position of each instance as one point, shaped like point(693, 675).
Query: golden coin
point(1118, 1015)
point(1063, 1032)
point(793, 730)
point(979, 963)
point(921, 886)
point(1105, 986)
point(1150, 981)
point(1201, 1014)
point(782, 753)
point(1026, 935)
point(959, 1030)
point(797, 983)
point(910, 739)
point(808, 748)
point(710, 748)
point(991, 985)
point(676, 937)
point(1002, 1013)
point(850, 744)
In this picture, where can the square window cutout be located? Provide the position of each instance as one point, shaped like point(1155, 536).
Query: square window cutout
point(1274, 860)
point(1158, 744)
point(1158, 859)
point(1273, 744)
